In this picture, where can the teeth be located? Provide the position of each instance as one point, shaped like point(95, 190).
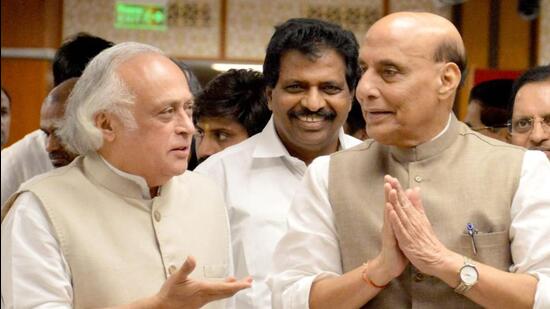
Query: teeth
point(311, 118)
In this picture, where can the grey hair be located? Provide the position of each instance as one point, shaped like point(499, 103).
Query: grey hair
point(100, 89)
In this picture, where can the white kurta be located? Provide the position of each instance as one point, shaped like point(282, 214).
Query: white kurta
point(22, 161)
point(259, 179)
point(311, 224)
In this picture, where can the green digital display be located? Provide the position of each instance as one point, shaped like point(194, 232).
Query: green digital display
point(140, 16)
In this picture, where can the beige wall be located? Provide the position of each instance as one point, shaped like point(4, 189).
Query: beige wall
point(235, 30)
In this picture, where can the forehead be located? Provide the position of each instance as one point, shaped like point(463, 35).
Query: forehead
point(154, 78)
point(533, 99)
point(326, 65)
point(213, 123)
point(385, 45)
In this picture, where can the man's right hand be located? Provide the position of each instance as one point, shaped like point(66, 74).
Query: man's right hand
point(180, 291)
point(391, 261)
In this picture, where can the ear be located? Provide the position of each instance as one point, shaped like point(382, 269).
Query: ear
point(269, 96)
point(104, 123)
point(449, 80)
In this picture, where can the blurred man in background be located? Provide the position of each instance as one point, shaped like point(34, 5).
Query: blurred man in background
point(6, 117)
point(530, 106)
point(231, 108)
point(488, 108)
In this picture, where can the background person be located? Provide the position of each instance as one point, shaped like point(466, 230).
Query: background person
point(229, 110)
point(5, 117)
point(488, 108)
point(28, 157)
point(530, 125)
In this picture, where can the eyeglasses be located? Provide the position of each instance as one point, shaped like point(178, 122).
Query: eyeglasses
point(526, 124)
point(493, 129)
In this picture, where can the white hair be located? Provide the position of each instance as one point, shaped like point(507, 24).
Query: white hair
point(100, 89)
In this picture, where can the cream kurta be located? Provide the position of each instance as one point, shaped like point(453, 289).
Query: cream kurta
point(513, 217)
point(119, 245)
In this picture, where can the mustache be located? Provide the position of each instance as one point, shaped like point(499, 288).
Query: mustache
point(323, 112)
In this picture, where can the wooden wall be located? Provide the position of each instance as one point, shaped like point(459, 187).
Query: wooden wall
point(496, 37)
point(28, 24)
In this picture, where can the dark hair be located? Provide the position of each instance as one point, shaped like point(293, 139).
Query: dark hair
point(533, 75)
point(192, 80)
point(71, 58)
point(449, 51)
point(310, 36)
point(238, 95)
point(493, 96)
point(355, 119)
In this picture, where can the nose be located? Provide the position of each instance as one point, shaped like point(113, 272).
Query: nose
point(366, 88)
point(184, 123)
point(313, 100)
point(207, 146)
point(52, 143)
point(538, 134)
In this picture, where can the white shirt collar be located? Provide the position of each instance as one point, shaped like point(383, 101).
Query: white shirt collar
point(140, 181)
point(444, 129)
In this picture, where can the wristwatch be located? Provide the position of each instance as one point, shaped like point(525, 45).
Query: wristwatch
point(468, 276)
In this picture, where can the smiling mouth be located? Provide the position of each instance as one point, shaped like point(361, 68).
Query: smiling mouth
point(311, 118)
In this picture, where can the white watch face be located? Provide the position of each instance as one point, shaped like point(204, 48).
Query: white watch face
point(468, 274)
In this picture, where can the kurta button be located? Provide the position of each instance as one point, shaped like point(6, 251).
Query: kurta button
point(156, 214)
point(172, 269)
point(418, 179)
point(419, 277)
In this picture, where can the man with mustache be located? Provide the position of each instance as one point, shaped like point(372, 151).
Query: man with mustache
point(310, 70)
point(51, 118)
point(427, 213)
point(530, 125)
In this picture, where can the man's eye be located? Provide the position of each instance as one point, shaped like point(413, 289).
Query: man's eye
point(199, 133)
point(222, 136)
point(390, 72)
point(523, 123)
point(293, 88)
point(331, 89)
point(167, 110)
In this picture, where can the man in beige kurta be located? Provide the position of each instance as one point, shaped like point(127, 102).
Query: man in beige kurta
point(114, 227)
point(427, 213)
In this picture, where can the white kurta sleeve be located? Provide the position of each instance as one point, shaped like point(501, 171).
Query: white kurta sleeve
point(310, 248)
point(34, 271)
point(530, 228)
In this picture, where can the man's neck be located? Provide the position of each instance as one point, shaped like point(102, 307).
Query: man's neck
point(308, 155)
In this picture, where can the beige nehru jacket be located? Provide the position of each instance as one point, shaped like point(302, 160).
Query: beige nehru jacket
point(121, 247)
point(464, 177)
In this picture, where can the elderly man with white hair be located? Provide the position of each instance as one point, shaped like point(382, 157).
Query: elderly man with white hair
point(114, 226)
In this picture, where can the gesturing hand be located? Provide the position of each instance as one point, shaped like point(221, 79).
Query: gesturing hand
point(180, 291)
point(412, 228)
